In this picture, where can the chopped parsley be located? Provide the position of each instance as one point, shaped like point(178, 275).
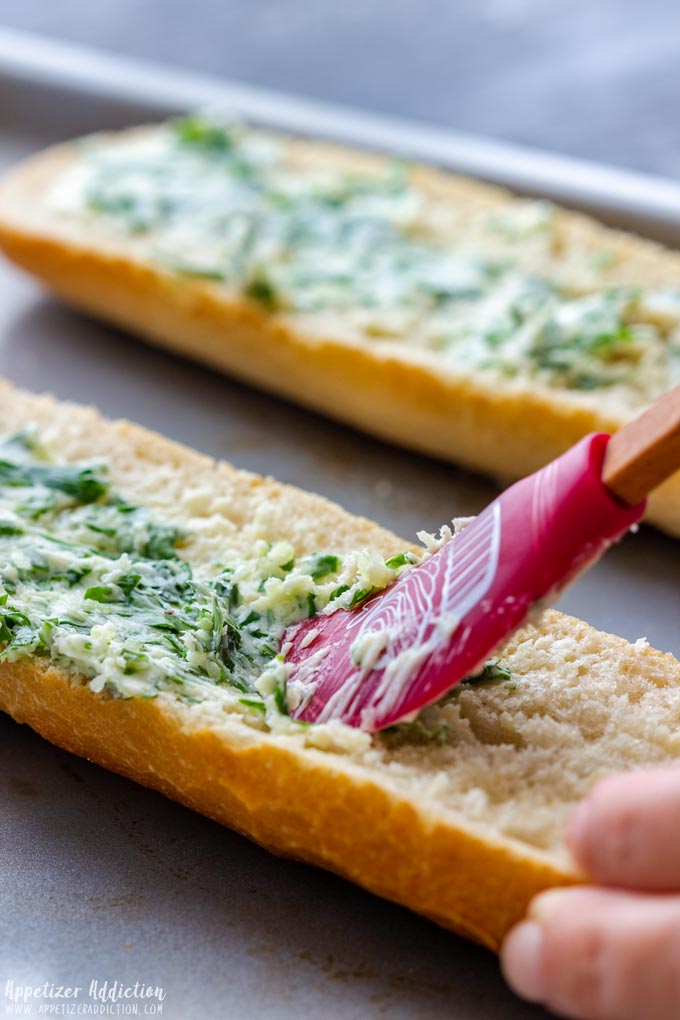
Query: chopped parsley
point(494, 672)
point(220, 202)
point(400, 560)
point(205, 134)
point(325, 565)
point(97, 585)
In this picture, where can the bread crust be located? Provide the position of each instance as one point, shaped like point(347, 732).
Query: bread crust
point(303, 805)
point(384, 389)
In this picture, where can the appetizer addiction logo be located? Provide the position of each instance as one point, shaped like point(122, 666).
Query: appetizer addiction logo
point(98, 998)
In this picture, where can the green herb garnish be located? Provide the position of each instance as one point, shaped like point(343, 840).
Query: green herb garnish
point(280, 697)
point(323, 566)
point(205, 134)
point(263, 292)
point(493, 673)
point(400, 560)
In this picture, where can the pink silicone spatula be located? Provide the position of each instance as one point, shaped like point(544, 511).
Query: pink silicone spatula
point(439, 622)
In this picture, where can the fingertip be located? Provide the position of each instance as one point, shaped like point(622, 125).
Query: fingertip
point(626, 831)
point(552, 902)
point(578, 831)
point(522, 961)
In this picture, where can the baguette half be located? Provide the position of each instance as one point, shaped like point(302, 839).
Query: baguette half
point(398, 392)
point(464, 832)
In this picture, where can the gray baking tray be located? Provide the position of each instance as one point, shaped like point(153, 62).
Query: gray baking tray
point(103, 880)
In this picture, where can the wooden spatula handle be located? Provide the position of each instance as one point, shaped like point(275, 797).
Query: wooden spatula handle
point(646, 452)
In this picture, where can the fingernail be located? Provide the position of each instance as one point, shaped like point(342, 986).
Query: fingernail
point(521, 960)
point(577, 827)
point(543, 906)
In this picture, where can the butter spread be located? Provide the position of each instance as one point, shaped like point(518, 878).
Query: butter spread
point(364, 254)
point(98, 586)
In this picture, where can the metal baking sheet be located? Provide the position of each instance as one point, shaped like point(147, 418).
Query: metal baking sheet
point(102, 880)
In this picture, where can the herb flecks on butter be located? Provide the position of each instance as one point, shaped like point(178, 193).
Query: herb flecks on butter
point(230, 205)
point(98, 586)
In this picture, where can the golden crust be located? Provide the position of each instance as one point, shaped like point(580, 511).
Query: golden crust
point(386, 390)
point(307, 805)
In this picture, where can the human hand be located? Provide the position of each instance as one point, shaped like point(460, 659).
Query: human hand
point(610, 951)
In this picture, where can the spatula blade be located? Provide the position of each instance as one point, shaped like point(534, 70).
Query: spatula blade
point(439, 622)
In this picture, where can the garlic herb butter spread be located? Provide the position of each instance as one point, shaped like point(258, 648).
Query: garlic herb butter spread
point(98, 586)
point(375, 254)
